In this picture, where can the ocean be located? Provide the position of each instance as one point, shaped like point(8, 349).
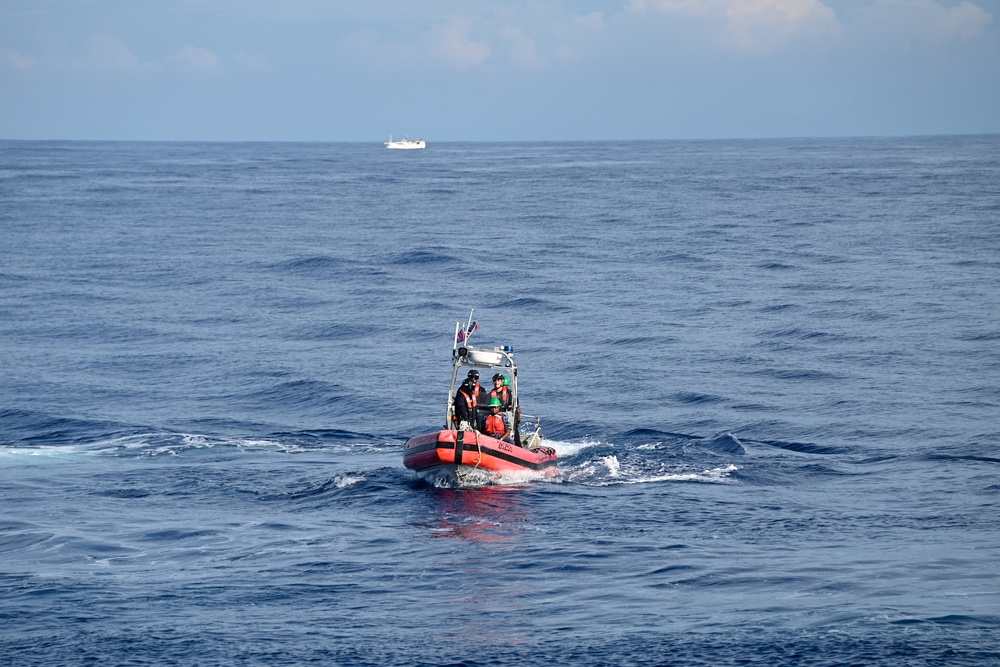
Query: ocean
point(769, 368)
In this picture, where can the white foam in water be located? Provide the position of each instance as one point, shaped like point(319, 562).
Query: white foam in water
point(569, 448)
point(344, 481)
point(613, 464)
point(715, 475)
point(175, 444)
point(517, 478)
point(32, 455)
point(608, 471)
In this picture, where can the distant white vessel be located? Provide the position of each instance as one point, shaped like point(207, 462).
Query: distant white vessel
point(405, 144)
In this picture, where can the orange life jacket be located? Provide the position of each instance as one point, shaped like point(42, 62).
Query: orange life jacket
point(470, 399)
point(470, 403)
point(503, 393)
point(495, 426)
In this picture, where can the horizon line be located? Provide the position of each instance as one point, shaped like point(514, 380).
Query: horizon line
point(510, 141)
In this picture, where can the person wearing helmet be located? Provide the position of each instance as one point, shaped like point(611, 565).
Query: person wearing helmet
point(482, 396)
point(512, 411)
point(469, 399)
point(501, 390)
point(496, 424)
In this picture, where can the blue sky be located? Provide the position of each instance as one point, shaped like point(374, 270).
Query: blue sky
point(485, 70)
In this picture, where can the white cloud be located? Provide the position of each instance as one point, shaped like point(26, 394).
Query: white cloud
point(106, 54)
point(526, 40)
point(762, 25)
point(451, 42)
point(751, 25)
point(195, 60)
point(671, 6)
point(576, 34)
point(767, 25)
point(15, 60)
point(522, 48)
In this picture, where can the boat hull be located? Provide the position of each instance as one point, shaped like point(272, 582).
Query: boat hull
point(431, 451)
point(406, 145)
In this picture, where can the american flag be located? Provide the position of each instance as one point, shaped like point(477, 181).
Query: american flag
point(463, 334)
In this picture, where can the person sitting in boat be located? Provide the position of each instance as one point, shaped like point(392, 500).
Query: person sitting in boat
point(512, 411)
point(469, 398)
point(496, 424)
point(501, 390)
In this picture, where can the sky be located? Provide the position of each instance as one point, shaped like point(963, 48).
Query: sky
point(496, 70)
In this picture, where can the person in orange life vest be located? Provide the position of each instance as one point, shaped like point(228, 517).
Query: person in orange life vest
point(469, 398)
point(516, 409)
point(496, 424)
point(482, 396)
point(502, 391)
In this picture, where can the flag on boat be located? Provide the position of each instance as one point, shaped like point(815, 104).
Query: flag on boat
point(463, 334)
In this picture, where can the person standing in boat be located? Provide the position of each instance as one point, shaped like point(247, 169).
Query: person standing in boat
point(468, 399)
point(496, 424)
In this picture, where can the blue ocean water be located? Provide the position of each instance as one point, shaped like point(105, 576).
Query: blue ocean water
point(769, 367)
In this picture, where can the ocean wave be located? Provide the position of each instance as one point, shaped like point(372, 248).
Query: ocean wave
point(425, 258)
point(300, 393)
point(312, 264)
point(610, 471)
point(40, 427)
point(154, 444)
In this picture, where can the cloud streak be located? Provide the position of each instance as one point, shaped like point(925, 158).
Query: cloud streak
point(523, 50)
point(106, 54)
point(195, 60)
point(452, 43)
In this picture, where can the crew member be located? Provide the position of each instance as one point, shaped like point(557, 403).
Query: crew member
point(481, 395)
point(502, 391)
point(468, 398)
point(496, 425)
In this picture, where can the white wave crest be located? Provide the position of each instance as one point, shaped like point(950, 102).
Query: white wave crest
point(344, 481)
point(609, 471)
point(613, 464)
point(564, 449)
point(35, 455)
point(714, 475)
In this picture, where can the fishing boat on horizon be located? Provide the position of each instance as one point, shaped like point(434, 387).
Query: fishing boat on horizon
point(405, 143)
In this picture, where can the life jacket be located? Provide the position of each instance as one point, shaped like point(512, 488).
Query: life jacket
point(503, 393)
point(470, 400)
point(495, 426)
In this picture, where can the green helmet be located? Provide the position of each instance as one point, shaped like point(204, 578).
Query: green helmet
point(506, 381)
point(495, 403)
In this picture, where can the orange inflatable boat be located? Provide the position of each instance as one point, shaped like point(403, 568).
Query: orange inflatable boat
point(475, 450)
point(464, 444)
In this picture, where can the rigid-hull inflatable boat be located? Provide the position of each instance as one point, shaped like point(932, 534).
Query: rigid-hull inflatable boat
point(462, 446)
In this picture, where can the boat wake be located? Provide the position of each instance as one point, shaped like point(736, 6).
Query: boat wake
point(607, 471)
point(153, 444)
point(596, 463)
point(605, 464)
